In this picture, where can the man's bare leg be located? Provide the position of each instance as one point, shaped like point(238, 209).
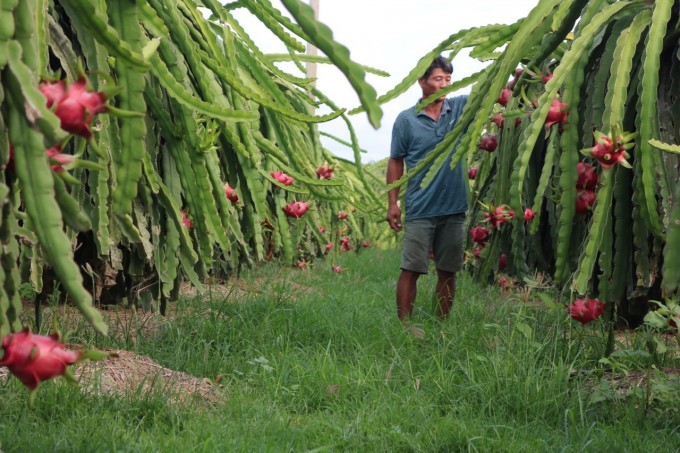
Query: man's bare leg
point(406, 293)
point(445, 291)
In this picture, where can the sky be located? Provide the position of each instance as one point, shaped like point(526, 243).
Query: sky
point(391, 35)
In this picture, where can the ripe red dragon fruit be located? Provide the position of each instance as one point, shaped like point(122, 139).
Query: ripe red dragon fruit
point(322, 230)
point(338, 269)
point(587, 176)
point(329, 246)
point(366, 244)
point(342, 215)
point(585, 199)
point(472, 173)
point(505, 283)
point(93, 101)
point(282, 178)
point(10, 161)
point(609, 151)
point(75, 106)
point(528, 215)
point(488, 142)
point(502, 262)
point(505, 213)
point(504, 96)
point(324, 172)
point(54, 92)
point(557, 114)
point(36, 358)
point(185, 219)
point(230, 193)
point(345, 246)
point(74, 117)
point(501, 214)
point(479, 234)
point(586, 310)
point(498, 120)
point(58, 159)
point(296, 209)
point(518, 73)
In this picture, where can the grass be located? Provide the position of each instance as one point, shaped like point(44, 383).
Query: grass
point(316, 361)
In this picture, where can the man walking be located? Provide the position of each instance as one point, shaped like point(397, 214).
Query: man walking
point(435, 215)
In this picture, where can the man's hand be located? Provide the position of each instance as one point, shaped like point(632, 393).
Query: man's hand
point(395, 170)
point(394, 217)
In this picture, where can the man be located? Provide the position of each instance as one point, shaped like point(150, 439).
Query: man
point(435, 214)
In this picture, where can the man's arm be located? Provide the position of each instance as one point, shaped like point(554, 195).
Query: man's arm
point(395, 170)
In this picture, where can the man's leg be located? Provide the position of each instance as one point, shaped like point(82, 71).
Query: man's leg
point(406, 293)
point(414, 262)
point(448, 246)
point(445, 292)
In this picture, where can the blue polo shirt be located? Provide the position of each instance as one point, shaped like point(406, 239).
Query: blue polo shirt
point(413, 137)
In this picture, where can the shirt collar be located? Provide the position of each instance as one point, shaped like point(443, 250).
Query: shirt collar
point(445, 109)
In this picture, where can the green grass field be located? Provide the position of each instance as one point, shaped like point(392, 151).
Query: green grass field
point(317, 361)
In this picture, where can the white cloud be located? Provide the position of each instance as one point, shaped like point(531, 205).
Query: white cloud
point(391, 35)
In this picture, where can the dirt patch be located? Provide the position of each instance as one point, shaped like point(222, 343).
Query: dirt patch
point(232, 290)
point(240, 290)
point(127, 372)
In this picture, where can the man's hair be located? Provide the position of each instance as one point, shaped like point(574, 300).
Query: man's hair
point(441, 63)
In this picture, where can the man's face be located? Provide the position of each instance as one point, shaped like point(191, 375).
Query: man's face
point(438, 79)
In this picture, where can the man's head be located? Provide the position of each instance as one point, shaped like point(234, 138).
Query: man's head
point(437, 76)
point(441, 63)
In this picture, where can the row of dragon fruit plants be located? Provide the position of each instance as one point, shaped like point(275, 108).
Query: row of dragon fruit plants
point(575, 147)
point(570, 142)
point(146, 143)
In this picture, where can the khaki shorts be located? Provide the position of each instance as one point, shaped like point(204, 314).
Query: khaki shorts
point(443, 235)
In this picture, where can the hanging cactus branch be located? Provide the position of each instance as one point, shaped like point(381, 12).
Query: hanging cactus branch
point(164, 176)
